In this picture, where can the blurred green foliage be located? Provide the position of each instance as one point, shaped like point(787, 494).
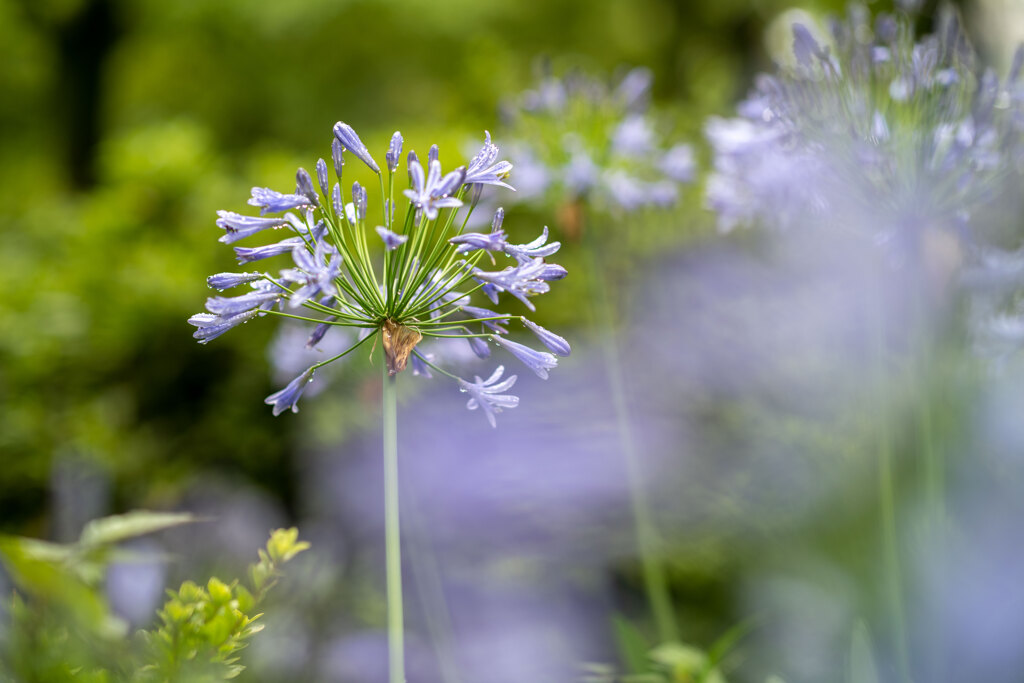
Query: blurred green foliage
point(61, 629)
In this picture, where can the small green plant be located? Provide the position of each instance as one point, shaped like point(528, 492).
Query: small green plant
point(203, 629)
point(61, 627)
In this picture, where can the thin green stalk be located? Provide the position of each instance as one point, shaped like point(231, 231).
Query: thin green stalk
point(346, 351)
point(933, 465)
point(392, 533)
point(655, 583)
point(452, 324)
point(890, 540)
point(931, 458)
point(887, 503)
point(356, 267)
point(316, 320)
point(435, 367)
point(468, 335)
point(320, 308)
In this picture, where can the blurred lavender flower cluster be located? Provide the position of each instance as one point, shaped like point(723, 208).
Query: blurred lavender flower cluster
point(417, 284)
point(910, 144)
point(578, 138)
point(912, 135)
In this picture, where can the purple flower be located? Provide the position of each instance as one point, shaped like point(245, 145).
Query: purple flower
point(495, 241)
point(479, 346)
point(557, 345)
point(484, 169)
point(678, 164)
point(319, 331)
point(271, 201)
point(551, 272)
point(628, 192)
point(350, 141)
point(633, 137)
point(805, 47)
point(359, 200)
point(662, 193)
point(521, 282)
point(394, 151)
point(392, 240)
point(524, 253)
point(471, 241)
point(312, 229)
point(477, 312)
point(316, 273)
point(635, 87)
point(229, 306)
point(431, 193)
point(237, 226)
point(538, 361)
point(224, 281)
point(610, 155)
point(487, 394)
point(580, 173)
point(304, 185)
point(491, 291)
point(250, 254)
point(289, 396)
point(338, 157)
point(212, 326)
point(322, 177)
point(336, 203)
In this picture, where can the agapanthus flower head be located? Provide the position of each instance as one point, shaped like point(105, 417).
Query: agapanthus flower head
point(874, 132)
point(910, 144)
point(414, 282)
point(580, 139)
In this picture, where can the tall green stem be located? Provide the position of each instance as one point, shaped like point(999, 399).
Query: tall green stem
point(930, 386)
point(887, 499)
point(890, 541)
point(933, 461)
point(655, 584)
point(392, 533)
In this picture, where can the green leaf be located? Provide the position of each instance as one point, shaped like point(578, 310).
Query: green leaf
point(284, 544)
point(219, 591)
point(726, 643)
point(114, 529)
point(679, 656)
point(685, 663)
point(862, 667)
point(41, 551)
point(59, 586)
point(245, 599)
point(633, 647)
